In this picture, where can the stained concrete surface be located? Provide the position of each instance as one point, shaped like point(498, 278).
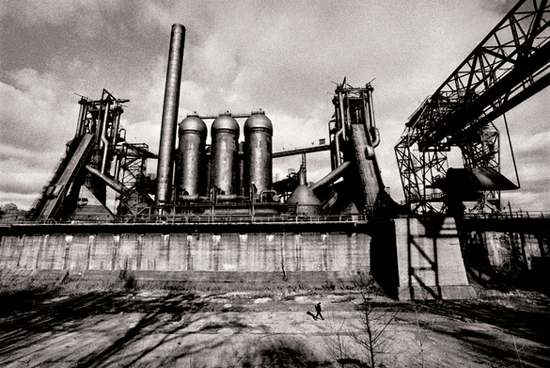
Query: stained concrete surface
point(215, 252)
point(43, 328)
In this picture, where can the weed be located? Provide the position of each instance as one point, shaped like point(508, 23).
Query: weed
point(129, 280)
point(366, 345)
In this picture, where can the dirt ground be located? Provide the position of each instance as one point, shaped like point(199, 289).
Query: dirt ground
point(40, 328)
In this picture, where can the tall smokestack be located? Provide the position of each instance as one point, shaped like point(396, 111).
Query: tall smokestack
point(170, 115)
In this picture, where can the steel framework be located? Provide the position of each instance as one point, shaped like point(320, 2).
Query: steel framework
point(134, 197)
point(97, 157)
point(353, 139)
point(509, 66)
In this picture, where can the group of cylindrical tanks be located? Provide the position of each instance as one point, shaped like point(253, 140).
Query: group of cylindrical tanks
point(220, 167)
point(226, 170)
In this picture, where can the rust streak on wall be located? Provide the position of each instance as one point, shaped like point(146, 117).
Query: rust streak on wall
point(227, 252)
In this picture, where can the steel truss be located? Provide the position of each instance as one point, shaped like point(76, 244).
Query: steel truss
point(101, 118)
point(509, 66)
point(134, 198)
point(117, 163)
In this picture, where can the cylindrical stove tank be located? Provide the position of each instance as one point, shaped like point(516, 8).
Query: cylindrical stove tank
point(192, 141)
point(225, 137)
point(258, 132)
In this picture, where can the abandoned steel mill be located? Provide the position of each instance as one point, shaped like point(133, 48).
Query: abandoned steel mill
point(214, 214)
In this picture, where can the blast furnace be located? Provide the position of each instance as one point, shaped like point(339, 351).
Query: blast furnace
point(213, 211)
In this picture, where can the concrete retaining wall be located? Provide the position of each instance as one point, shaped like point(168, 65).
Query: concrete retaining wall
point(501, 248)
point(220, 252)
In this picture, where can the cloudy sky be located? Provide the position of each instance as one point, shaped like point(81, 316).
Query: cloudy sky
point(282, 56)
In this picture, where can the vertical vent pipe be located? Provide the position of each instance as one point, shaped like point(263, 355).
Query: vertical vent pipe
point(170, 115)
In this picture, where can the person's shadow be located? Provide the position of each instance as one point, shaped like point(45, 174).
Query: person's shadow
point(312, 315)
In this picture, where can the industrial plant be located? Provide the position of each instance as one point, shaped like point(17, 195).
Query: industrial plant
point(230, 176)
point(214, 214)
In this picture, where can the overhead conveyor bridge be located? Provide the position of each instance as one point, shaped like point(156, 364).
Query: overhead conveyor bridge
point(69, 169)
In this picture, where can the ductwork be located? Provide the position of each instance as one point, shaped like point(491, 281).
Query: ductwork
point(331, 177)
point(116, 185)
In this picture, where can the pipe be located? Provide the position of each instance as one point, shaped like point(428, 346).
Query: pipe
point(81, 116)
point(170, 115)
point(372, 130)
point(331, 176)
point(189, 198)
point(117, 166)
point(118, 111)
point(341, 127)
point(104, 140)
point(226, 197)
point(267, 191)
point(337, 136)
point(374, 135)
point(341, 111)
point(109, 181)
point(302, 178)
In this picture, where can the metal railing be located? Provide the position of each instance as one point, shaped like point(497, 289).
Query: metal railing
point(182, 219)
point(509, 215)
point(225, 219)
point(200, 219)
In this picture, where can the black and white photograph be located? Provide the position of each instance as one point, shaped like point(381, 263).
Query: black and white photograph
point(274, 183)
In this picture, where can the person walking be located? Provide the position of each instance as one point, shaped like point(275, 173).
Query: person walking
point(318, 310)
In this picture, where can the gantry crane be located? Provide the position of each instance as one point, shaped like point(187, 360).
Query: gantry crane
point(509, 66)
